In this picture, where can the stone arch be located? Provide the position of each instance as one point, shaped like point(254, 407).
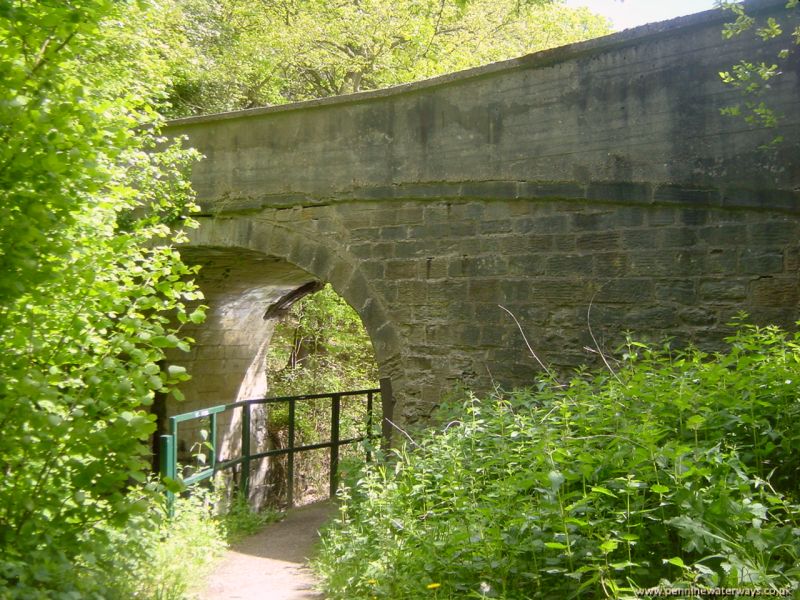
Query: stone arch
point(327, 262)
point(251, 270)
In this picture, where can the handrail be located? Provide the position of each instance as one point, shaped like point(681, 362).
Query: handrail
point(168, 442)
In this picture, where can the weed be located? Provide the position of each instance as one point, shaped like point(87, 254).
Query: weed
point(679, 470)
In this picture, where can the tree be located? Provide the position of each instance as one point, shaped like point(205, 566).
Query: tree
point(90, 286)
point(752, 77)
point(234, 54)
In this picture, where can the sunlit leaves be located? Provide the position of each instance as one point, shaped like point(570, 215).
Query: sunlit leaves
point(752, 78)
point(233, 54)
point(554, 493)
point(90, 285)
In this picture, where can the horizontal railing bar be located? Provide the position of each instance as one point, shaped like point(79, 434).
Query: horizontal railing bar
point(198, 477)
point(304, 397)
point(224, 464)
point(227, 464)
point(314, 396)
point(199, 414)
point(220, 465)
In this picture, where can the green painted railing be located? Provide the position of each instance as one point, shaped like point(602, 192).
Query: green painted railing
point(169, 442)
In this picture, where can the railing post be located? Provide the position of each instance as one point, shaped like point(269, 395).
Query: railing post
point(369, 425)
point(213, 437)
point(168, 468)
point(244, 483)
point(387, 406)
point(290, 456)
point(334, 474)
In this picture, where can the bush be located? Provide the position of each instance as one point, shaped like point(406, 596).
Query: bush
point(680, 469)
point(161, 558)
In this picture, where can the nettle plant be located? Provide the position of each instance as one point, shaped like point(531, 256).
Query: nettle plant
point(677, 469)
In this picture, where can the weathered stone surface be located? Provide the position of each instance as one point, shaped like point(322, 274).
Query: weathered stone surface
point(661, 215)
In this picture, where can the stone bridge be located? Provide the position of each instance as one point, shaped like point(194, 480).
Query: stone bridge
point(590, 190)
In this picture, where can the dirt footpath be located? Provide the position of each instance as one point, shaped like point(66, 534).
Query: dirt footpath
point(271, 565)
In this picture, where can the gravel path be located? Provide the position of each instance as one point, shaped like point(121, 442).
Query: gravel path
point(270, 565)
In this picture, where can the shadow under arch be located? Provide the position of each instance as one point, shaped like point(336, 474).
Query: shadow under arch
point(321, 258)
point(250, 273)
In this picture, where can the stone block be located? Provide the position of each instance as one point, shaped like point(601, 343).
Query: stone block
point(676, 194)
point(489, 227)
point(526, 265)
point(402, 269)
point(722, 235)
point(373, 269)
point(638, 238)
point(529, 189)
point(693, 217)
point(590, 221)
point(564, 242)
point(481, 266)
point(622, 191)
point(468, 335)
point(340, 274)
point(561, 265)
point(496, 190)
point(412, 292)
point(681, 291)
point(409, 213)
point(408, 249)
point(676, 237)
point(752, 262)
point(698, 316)
point(485, 290)
point(356, 291)
point(608, 240)
point(435, 268)
point(774, 292)
point(626, 291)
point(492, 335)
point(721, 261)
point(651, 318)
point(545, 223)
point(610, 264)
point(393, 233)
point(387, 216)
point(661, 216)
point(714, 290)
point(436, 213)
point(447, 293)
point(560, 290)
point(773, 233)
point(791, 260)
point(467, 211)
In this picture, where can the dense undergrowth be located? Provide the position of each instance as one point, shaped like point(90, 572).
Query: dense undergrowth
point(156, 557)
point(678, 469)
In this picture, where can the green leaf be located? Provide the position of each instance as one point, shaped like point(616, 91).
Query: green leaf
point(604, 491)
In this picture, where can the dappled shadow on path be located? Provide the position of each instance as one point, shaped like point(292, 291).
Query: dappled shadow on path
point(272, 563)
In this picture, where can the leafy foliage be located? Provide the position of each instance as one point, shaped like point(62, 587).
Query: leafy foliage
point(237, 54)
point(161, 558)
point(752, 78)
point(90, 286)
point(681, 469)
point(321, 346)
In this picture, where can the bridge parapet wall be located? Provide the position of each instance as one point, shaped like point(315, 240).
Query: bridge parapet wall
point(597, 175)
point(428, 279)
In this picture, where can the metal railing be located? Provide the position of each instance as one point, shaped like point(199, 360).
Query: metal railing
point(168, 443)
